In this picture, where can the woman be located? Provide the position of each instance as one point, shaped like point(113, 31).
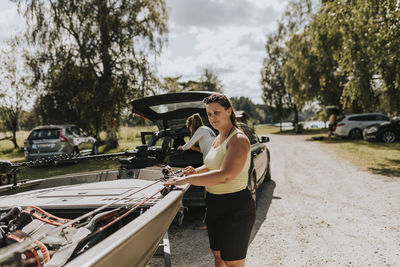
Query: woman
point(332, 124)
point(230, 207)
point(199, 134)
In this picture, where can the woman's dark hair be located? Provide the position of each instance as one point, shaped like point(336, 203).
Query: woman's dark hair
point(195, 121)
point(223, 101)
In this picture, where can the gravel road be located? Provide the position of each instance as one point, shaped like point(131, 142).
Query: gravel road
point(318, 210)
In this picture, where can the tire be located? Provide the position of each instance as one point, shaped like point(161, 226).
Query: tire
point(75, 153)
point(355, 134)
point(94, 149)
point(388, 136)
point(178, 220)
point(4, 179)
point(253, 188)
point(267, 177)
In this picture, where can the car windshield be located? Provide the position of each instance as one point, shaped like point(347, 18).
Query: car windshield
point(160, 109)
point(45, 134)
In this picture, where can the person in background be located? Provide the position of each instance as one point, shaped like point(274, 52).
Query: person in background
point(201, 137)
point(230, 208)
point(332, 124)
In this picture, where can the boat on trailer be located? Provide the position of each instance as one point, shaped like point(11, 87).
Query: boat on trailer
point(118, 222)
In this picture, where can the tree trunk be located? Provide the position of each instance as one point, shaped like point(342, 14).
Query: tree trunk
point(296, 119)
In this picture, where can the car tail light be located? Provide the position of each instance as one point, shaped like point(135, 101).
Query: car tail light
point(62, 137)
point(340, 124)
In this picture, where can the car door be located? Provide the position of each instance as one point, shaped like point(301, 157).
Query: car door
point(258, 152)
point(356, 122)
point(368, 120)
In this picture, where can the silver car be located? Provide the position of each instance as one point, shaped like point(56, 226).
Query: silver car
point(55, 140)
point(353, 125)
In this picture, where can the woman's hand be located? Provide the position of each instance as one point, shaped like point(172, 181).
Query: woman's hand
point(177, 181)
point(189, 170)
point(180, 148)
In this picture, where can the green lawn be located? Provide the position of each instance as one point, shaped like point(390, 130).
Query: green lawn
point(376, 157)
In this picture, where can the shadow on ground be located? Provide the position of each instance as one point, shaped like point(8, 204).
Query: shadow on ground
point(264, 198)
point(388, 170)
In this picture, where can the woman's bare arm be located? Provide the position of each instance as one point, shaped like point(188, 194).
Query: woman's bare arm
point(234, 161)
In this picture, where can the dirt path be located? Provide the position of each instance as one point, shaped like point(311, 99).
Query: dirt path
point(318, 210)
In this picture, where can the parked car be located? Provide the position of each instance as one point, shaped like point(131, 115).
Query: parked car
point(387, 132)
point(55, 140)
point(169, 113)
point(353, 125)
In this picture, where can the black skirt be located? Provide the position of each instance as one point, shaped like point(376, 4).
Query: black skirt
point(230, 218)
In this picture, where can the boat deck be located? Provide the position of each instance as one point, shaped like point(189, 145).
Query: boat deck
point(86, 196)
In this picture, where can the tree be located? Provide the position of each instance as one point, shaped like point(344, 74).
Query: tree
point(276, 97)
point(171, 84)
point(245, 104)
point(282, 89)
point(348, 56)
point(209, 82)
point(14, 87)
point(90, 57)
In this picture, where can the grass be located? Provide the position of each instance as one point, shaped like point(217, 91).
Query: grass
point(128, 139)
point(376, 157)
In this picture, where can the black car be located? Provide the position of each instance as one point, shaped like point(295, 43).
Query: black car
point(169, 113)
point(387, 132)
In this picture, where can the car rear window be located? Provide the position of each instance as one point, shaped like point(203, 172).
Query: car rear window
point(44, 134)
point(381, 118)
point(369, 118)
point(161, 109)
point(358, 118)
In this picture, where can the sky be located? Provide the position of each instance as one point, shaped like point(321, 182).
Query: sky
point(225, 36)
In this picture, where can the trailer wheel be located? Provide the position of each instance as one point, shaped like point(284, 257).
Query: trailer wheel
point(4, 179)
point(178, 220)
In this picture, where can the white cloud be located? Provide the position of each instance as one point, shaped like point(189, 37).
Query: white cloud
point(10, 22)
point(207, 13)
point(227, 37)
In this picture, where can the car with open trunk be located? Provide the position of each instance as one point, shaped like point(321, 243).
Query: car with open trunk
point(169, 112)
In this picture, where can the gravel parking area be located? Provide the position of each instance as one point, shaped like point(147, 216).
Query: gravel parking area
point(318, 210)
